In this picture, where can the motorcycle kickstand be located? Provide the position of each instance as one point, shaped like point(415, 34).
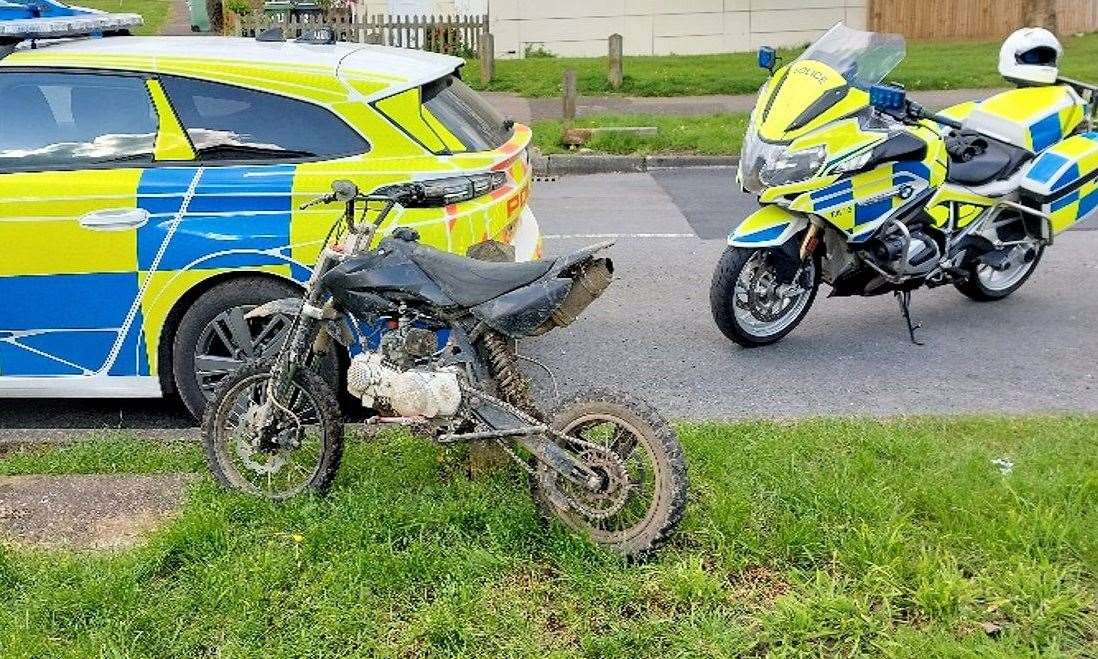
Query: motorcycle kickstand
point(904, 298)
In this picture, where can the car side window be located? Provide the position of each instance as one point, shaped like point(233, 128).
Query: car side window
point(225, 122)
point(74, 120)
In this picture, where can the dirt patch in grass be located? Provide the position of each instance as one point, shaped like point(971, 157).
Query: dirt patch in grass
point(759, 585)
point(86, 512)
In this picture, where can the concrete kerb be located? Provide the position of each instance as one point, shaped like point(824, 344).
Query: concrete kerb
point(592, 163)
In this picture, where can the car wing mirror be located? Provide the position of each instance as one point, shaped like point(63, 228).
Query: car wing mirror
point(767, 58)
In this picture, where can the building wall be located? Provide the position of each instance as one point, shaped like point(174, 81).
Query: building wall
point(425, 7)
point(659, 27)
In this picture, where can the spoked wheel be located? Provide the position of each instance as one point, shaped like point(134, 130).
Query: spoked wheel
point(750, 305)
point(300, 451)
point(987, 284)
point(638, 457)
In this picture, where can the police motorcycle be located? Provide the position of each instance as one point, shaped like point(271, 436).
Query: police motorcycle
point(445, 365)
point(865, 190)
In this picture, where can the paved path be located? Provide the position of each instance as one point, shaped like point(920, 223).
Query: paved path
point(179, 19)
point(652, 333)
point(525, 110)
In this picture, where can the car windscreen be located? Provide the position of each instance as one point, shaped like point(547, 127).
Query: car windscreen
point(466, 114)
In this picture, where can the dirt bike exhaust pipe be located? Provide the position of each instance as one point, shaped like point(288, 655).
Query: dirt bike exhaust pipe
point(589, 282)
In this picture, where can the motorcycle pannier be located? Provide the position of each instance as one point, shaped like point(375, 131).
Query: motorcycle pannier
point(1063, 181)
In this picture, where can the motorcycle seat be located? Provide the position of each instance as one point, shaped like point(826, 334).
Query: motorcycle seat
point(976, 160)
point(470, 282)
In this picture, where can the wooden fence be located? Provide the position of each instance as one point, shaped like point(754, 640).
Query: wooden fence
point(453, 35)
point(972, 19)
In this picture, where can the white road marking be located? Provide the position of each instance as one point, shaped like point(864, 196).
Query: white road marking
point(585, 236)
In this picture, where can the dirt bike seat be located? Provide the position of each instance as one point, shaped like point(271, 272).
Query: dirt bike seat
point(470, 282)
point(976, 160)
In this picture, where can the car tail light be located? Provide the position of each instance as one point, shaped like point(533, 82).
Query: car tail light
point(435, 193)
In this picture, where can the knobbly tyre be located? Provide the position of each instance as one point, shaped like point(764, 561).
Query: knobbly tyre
point(866, 191)
point(605, 463)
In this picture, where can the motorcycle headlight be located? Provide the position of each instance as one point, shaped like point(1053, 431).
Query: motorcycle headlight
point(791, 167)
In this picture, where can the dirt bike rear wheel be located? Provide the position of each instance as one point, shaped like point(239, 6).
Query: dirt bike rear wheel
point(645, 491)
point(302, 456)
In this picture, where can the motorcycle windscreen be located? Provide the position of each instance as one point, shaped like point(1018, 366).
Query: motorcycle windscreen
point(803, 97)
point(829, 80)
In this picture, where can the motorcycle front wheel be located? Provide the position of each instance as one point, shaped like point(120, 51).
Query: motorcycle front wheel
point(750, 305)
point(298, 452)
point(638, 456)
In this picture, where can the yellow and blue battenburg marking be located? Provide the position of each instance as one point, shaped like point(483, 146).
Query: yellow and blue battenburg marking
point(83, 323)
point(859, 204)
point(1064, 181)
point(1034, 118)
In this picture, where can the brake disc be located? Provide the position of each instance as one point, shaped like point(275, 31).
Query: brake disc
point(767, 306)
point(246, 448)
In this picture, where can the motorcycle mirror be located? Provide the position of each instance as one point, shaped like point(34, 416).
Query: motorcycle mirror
point(888, 98)
point(767, 58)
point(344, 190)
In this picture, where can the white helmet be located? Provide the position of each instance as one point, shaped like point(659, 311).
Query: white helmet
point(1030, 56)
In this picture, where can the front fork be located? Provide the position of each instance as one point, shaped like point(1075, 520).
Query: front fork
point(809, 245)
point(277, 405)
point(305, 341)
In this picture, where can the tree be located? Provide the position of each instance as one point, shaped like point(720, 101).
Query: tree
point(216, 14)
point(1040, 13)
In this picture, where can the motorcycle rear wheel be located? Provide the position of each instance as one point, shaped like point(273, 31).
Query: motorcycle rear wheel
point(279, 471)
point(985, 284)
point(646, 485)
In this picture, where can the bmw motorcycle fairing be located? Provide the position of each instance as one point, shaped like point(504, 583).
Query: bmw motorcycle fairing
point(866, 191)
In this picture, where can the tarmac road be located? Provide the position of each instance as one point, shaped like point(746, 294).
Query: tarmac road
point(652, 333)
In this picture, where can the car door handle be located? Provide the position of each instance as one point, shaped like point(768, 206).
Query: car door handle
point(115, 219)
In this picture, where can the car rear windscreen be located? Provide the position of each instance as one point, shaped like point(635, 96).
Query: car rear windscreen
point(466, 114)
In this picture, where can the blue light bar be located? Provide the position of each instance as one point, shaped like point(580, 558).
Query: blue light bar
point(890, 98)
point(47, 19)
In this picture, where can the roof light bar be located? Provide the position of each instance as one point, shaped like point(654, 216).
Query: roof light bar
point(48, 19)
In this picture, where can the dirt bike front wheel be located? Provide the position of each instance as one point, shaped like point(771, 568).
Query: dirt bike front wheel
point(298, 451)
point(637, 455)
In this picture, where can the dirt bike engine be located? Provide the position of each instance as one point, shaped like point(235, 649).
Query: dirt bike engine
point(406, 344)
point(407, 392)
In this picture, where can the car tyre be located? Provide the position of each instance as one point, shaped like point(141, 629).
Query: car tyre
point(237, 294)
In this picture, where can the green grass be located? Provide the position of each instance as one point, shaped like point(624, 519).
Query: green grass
point(155, 12)
point(929, 65)
point(112, 454)
point(717, 134)
point(817, 537)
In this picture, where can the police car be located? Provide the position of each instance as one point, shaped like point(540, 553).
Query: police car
point(149, 189)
